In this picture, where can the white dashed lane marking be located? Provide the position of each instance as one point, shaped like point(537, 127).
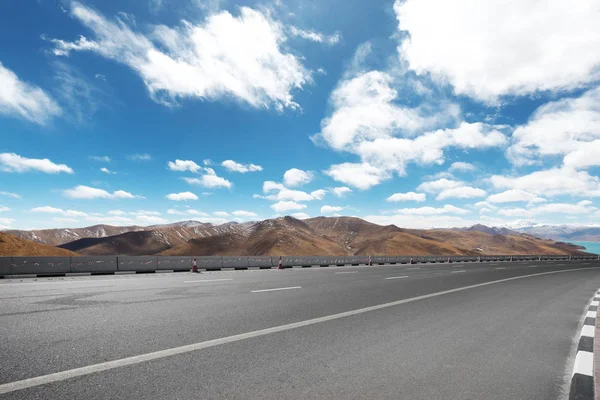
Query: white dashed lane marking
point(347, 272)
point(208, 280)
point(460, 270)
point(272, 290)
point(397, 277)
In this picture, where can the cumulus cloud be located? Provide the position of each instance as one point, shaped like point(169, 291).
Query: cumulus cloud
point(226, 56)
point(117, 212)
point(460, 166)
point(196, 213)
point(297, 177)
point(439, 185)
point(284, 206)
point(300, 215)
point(568, 128)
point(462, 192)
point(172, 211)
point(151, 220)
point(210, 180)
point(283, 193)
point(107, 171)
point(514, 195)
point(361, 176)
point(222, 214)
point(183, 196)
point(86, 192)
point(447, 209)
point(409, 196)
point(11, 162)
point(183, 165)
point(367, 121)
point(6, 222)
point(326, 209)
point(23, 100)
point(551, 182)
point(4, 209)
point(233, 166)
point(341, 191)
point(508, 54)
point(583, 207)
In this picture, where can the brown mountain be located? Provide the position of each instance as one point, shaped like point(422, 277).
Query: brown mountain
point(314, 236)
point(55, 237)
point(11, 245)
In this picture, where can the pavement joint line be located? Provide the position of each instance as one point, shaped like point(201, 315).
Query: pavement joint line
point(109, 365)
point(209, 280)
point(397, 277)
point(274, 289)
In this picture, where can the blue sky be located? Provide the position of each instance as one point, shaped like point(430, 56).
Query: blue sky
point(411, 112)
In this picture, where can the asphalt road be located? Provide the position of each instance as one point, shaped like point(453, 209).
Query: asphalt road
point(436, 331)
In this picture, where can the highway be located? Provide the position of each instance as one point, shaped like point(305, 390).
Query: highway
point(499, 330)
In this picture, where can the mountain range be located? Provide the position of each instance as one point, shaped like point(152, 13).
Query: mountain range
point(290, 236)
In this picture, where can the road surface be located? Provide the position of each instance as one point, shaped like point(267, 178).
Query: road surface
point(427, 331)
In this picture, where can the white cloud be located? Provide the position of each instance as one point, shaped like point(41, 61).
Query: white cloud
point(568, 128)
point(144, 212)
point(222, 214)
point(551, 182)
point(107, 171)
point(439, 185)
point(361, 176)
point(172, 211)
point(86, 192)
point(514, 195)
point(485, 204)
point(151, 220)
point(53, 210)
point(462, 192)
point(469, 44)
point(11, 162)
point(210, 180)
point(6, 222)
point(139, 157)
point(283, 206)
point(197, 213)
point(269, 186)
point(447, 209)
point(318, 194)
point(331, 209)
point(243, 213)
point(341, 191)
point(409, 196)
point(20, 99)
point(315, 36)
point(4, 209)
point(422, 221)
point(207, 162)
point(461, 167)
point(297, 177)
point(105, 159)
point(184, 165)
point(300, 215)
point(183, 196)
point(224, 57)
point(10, 194)
point(117, 212)
point(583, 207)
point(367, 122)
point(233, 166)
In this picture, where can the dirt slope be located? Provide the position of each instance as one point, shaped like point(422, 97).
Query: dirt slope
point(13, 246)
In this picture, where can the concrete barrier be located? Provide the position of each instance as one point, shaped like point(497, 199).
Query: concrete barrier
point(5, 263)
point(234, 262)
point(93, 264)
point(175, 263)
point(208, 262)
point(40, 265)
point(260, 261)
point(137, 264)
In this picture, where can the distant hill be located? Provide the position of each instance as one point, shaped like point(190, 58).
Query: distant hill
point(11, 245)
point(313, 236)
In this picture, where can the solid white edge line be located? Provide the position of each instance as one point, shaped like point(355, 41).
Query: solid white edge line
point(90, 369)
point(209, 280)
point(397, 277)
point(588, 330)
point(584, 363)
point(591, 314)
point(274, 289)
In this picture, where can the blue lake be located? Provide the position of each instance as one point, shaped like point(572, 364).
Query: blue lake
point(591, 247)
